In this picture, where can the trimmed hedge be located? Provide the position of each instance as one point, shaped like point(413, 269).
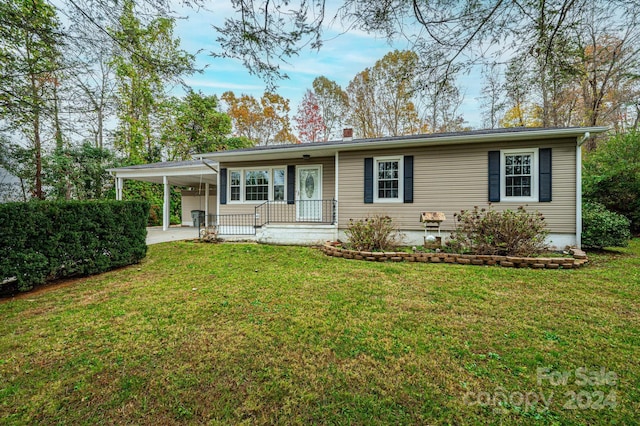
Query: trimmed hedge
point(41, 241)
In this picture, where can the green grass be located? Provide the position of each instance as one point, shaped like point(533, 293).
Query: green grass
point(240, 333)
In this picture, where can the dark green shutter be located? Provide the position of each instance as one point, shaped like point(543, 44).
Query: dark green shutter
point(223, 186)
point(408, 178)
point(291, 184)
point(544, 154)
point(368, 180)
point(494, 176)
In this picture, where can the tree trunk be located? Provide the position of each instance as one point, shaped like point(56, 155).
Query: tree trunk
point(37, 144)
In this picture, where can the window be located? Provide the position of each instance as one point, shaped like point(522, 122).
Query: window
point(256, 186)
point(234, 186)
point(278, 184)
point(388, 179)
point(519, 175)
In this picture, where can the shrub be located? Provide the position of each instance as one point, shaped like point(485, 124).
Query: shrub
point(487, 231)
point(612, 176)
point(41, 241)
point(373, 234)
point(603, 228)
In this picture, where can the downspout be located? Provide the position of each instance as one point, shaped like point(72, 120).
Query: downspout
point(335, 196)
point(208, 165)
point(581, 141)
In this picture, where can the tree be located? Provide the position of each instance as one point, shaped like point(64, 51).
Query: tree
point(606, 76)
point(193, 125)
point(517, 87)
point(382, 98)
point(612, 176)
point(265, 121)
point(93, 86)
point(333, 103)
point(268, 33)
point(395, 79)
point(148, 57)
point(18, 161)
point(448, 37)
point(492, 99)
point(29, 48)
point(522, 116)
point(362, 112)
point(79, 172)
point(276, 126)
point(245, 113)
point(311, 127)
point(441, 100)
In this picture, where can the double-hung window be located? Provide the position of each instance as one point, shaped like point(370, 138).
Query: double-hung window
point(388, 179)
point(234, 185)
point(256, 185)
point(519, 175)
point(278, 184)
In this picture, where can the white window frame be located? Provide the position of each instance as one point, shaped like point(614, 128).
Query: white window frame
point(261, 170)
point(231, 172)
point(376, 161)
point(534, 175)
point(273, 184)
point(270, 170)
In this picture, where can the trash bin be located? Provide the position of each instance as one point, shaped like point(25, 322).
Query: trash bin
point(198, 218)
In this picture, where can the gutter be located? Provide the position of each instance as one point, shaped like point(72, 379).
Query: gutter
point(405, 142)
point(583, 139)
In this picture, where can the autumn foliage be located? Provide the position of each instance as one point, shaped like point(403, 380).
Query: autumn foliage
point(310, 125)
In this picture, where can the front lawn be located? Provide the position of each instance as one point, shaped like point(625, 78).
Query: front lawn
point(233, 333)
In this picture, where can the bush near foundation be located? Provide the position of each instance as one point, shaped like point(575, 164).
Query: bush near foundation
point(41, 240)
point(375, 233)
point(603, 228)
point(492, 232)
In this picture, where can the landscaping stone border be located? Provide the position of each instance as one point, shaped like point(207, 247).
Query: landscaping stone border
point(578, 259)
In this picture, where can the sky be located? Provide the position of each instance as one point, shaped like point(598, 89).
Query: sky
point(341, 57)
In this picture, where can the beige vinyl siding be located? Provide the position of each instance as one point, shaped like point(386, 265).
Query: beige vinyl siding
point(328, 179)
point(453, 178)
point(195, 200)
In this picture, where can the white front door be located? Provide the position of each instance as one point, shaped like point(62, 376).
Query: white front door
point(309, 194)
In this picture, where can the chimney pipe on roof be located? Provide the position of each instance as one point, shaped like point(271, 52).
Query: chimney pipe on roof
point(347, 134)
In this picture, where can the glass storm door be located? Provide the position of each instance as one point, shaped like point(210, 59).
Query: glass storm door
point(308, 191)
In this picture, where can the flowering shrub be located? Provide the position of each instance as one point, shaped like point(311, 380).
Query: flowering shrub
point(487, 231)
point(373, 234)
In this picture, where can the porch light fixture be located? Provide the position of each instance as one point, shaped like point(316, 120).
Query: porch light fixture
point(305, 156)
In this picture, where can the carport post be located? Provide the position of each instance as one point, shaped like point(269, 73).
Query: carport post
point(119, 188)
point(165, 204)
point(206, 204)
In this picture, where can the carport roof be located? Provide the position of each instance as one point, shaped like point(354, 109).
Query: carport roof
point(179, 173)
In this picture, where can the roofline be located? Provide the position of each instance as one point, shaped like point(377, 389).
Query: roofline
point(159, 171)
point(581, 133)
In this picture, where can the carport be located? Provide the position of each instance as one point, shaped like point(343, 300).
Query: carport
point(199, 174)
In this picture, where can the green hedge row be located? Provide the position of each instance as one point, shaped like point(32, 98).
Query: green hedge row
point(41, 241)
